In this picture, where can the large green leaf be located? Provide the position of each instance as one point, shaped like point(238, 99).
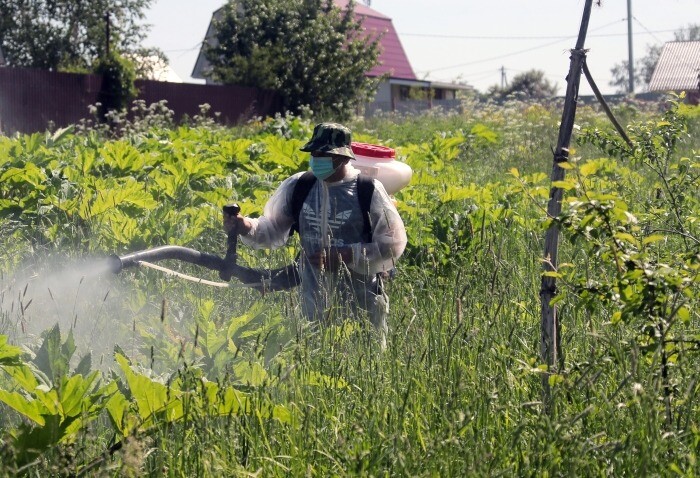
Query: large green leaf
point(19, 402)
point(110, 194)
point(118, 409)
point(73, 392)
point(23, 376)
point(9, 354)
point(153, 399)
point(53, 359)
point(30, 174)
point(122, 157)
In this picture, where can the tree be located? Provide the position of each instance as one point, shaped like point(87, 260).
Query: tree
point(309, 51)
point(528, 85)
point(149, 63)
point(68, 35)
point(645, 66)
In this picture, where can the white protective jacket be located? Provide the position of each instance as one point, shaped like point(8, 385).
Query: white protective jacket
point(331, 217)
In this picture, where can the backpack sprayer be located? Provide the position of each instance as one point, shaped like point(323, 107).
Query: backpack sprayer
point(372, 160)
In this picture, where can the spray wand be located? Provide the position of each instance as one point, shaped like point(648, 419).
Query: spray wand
point(263, 280)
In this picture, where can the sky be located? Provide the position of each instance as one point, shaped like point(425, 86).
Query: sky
point(477, 42)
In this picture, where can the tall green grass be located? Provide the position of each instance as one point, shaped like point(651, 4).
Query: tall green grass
point(458, 390)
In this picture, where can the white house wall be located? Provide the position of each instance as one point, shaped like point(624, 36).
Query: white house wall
point(383, 92)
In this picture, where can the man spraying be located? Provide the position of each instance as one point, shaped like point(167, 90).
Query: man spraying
point(351, 233)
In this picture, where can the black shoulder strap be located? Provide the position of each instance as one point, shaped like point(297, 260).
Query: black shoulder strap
point(301, 189)
point(365, 190)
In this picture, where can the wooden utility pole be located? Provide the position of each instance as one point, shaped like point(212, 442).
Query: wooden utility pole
point(630, 54)
point(107, 33)
point(550, 340)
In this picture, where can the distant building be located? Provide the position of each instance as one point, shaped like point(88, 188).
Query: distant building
point(159, 70)
point(402, 91)
point(678, 69)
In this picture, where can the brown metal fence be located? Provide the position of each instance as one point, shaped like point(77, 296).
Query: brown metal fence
point(34, 100)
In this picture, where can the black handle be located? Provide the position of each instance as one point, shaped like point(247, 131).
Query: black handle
point(232, 209)
point(232, 241)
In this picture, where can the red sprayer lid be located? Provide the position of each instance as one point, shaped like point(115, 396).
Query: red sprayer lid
point(373, 151)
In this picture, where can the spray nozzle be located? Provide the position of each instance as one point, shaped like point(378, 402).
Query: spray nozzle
point(115, 263)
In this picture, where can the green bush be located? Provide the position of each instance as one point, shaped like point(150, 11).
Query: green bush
point(118, 76)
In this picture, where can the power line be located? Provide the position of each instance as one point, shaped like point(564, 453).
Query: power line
point(558, 77)
point(483, 75)
point(496, 72)
point(506, 55)
point(558, 40)
point(467, 37)
point(500, 71)
point(478, 76)
point(649, 31)
point(198, 45)
point(484, 60)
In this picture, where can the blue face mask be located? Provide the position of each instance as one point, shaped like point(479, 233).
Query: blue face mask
point(322, 166)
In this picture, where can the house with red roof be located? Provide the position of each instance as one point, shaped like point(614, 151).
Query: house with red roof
point(400, 91)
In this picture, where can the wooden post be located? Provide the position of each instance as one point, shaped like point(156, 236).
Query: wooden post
point(107, 34)
point(630, 54)
point(550, 340)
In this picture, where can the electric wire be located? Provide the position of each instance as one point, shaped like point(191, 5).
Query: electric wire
point(520, 38)
point(506, 55)
point(647, 30)
point(484, 60)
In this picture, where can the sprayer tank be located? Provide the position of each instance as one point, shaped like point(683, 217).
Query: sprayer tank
point(380, 162)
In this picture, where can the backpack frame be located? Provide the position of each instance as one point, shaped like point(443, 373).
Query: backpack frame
point(365, 190)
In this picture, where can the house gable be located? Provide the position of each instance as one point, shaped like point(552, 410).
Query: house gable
point(400, 89)
point(392, 58)
point(202, 65)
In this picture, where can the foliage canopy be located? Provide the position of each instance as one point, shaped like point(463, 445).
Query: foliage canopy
point(527, 85)
point(309, 51)
point(118, 82)
point(68, 35)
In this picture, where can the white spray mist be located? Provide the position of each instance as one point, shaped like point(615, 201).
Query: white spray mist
point(83, 296)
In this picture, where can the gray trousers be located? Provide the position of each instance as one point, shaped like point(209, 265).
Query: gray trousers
point(327, 297)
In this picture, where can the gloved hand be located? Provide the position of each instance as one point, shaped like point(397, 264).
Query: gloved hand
point(240, 223)
point(331, 260)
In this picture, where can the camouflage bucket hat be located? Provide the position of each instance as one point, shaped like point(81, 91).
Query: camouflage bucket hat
point(331, 138)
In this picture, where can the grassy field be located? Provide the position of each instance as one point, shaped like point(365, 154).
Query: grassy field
point(145, 374)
